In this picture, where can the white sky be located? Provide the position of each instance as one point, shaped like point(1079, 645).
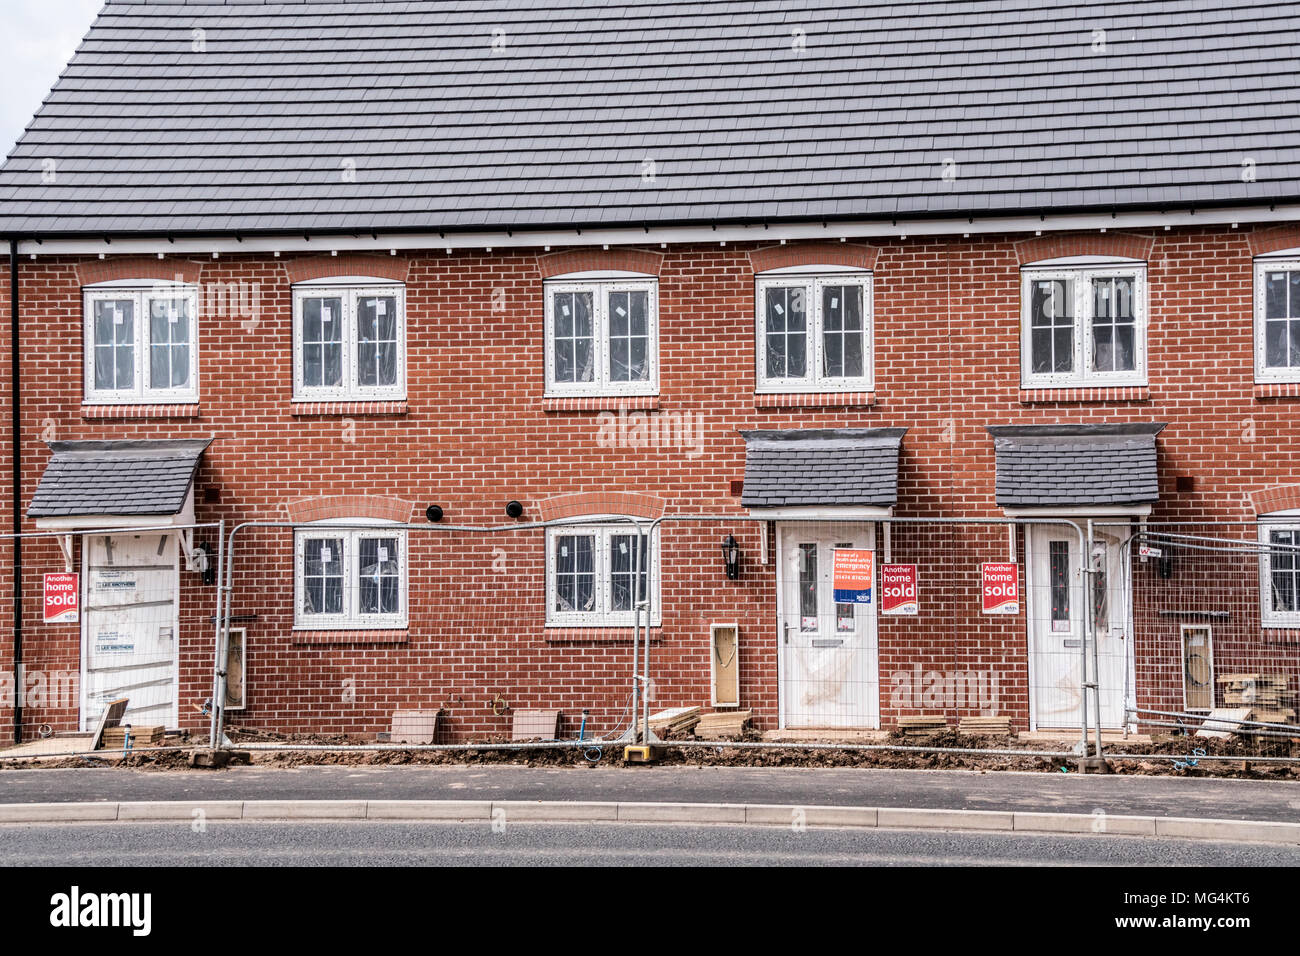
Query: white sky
point(37, 38)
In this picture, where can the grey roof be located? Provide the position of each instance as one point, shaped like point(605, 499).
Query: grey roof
point(1046, 465)
point(117, 478)
point(751, 110)
point(839, 466)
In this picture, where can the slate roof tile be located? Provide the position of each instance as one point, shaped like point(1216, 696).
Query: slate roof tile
point(151, 136)
point(844, 466)
point(1076, 465)
point(117, 478)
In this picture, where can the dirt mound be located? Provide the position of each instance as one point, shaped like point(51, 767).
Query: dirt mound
point(908, 752)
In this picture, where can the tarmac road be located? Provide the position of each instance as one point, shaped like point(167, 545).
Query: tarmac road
point(642, 845)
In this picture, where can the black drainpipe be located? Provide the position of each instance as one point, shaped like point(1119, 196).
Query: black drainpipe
point(17, 499)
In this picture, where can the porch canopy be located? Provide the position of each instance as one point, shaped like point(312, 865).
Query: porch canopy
point(1051, 467)
point(822, 469)
point(90, 484)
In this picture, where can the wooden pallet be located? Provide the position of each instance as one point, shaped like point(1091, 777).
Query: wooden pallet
point(142, 736)
point(723, 724)
point(923, 725)
point(985, 725)
point(675, 720)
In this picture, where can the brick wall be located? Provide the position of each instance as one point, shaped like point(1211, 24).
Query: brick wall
point(476, 432)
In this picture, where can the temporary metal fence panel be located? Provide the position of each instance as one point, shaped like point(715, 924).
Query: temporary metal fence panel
point(1216, 631)
point(852, 632)
point(376, 634)
point(996, 636)
point(108, 614)
point(887, 631)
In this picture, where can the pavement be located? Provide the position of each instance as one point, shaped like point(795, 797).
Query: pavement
point(1170, 807)
point(804, 786)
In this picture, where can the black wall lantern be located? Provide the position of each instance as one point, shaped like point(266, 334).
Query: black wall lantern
point(209, 566)
point(1165, 563)
point(731, 556)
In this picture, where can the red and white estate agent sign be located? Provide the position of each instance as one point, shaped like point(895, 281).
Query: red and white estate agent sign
point(898, 589)
point(61, 592)
point(1000, 587)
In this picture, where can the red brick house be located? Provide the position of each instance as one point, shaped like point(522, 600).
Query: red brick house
point(822, 270)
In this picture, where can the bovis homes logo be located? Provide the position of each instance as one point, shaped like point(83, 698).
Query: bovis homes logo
point(76, 909)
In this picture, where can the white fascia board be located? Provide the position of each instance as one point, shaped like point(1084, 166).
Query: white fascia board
point(97, 522)
point(823, 513)
point(1081, 511)
point(182, 518)
point(765, 233)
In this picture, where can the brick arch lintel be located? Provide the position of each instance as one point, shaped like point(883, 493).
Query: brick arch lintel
point(1277, 498)
point(1273, 239)
point(565, 261)
point(848, 254)
point(395, 268)
point(1128, 245)
point(584, 503)
point(138, 267)
point(322, 507)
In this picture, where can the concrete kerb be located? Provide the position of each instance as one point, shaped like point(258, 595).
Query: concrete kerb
point(528, 811)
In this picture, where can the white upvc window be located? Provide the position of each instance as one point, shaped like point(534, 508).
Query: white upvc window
point(1084, 326)
point(589, 575)
point(349, 340)
point(1279, 570)
point(602, 336)
point(141, 343)
point(1277, 320)
point(814, 332)
point(350, 577)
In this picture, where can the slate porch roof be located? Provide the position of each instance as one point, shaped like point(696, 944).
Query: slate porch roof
point(839, 466)
point(149, 477)
point(1076, 465)
point(498, 114)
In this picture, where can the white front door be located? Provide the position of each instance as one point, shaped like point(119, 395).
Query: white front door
point(828, 654)
point(1057, 643)
point(130, 627)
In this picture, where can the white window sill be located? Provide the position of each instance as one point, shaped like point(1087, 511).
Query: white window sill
point(187, 399)
point(323, 398)
point(1083, 383)
point(604, 394)
point(326, 626)
point(820, 388)
point(596, 625)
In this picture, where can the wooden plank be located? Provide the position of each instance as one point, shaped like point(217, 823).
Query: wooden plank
point(1223, 722)
point(111, 717)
